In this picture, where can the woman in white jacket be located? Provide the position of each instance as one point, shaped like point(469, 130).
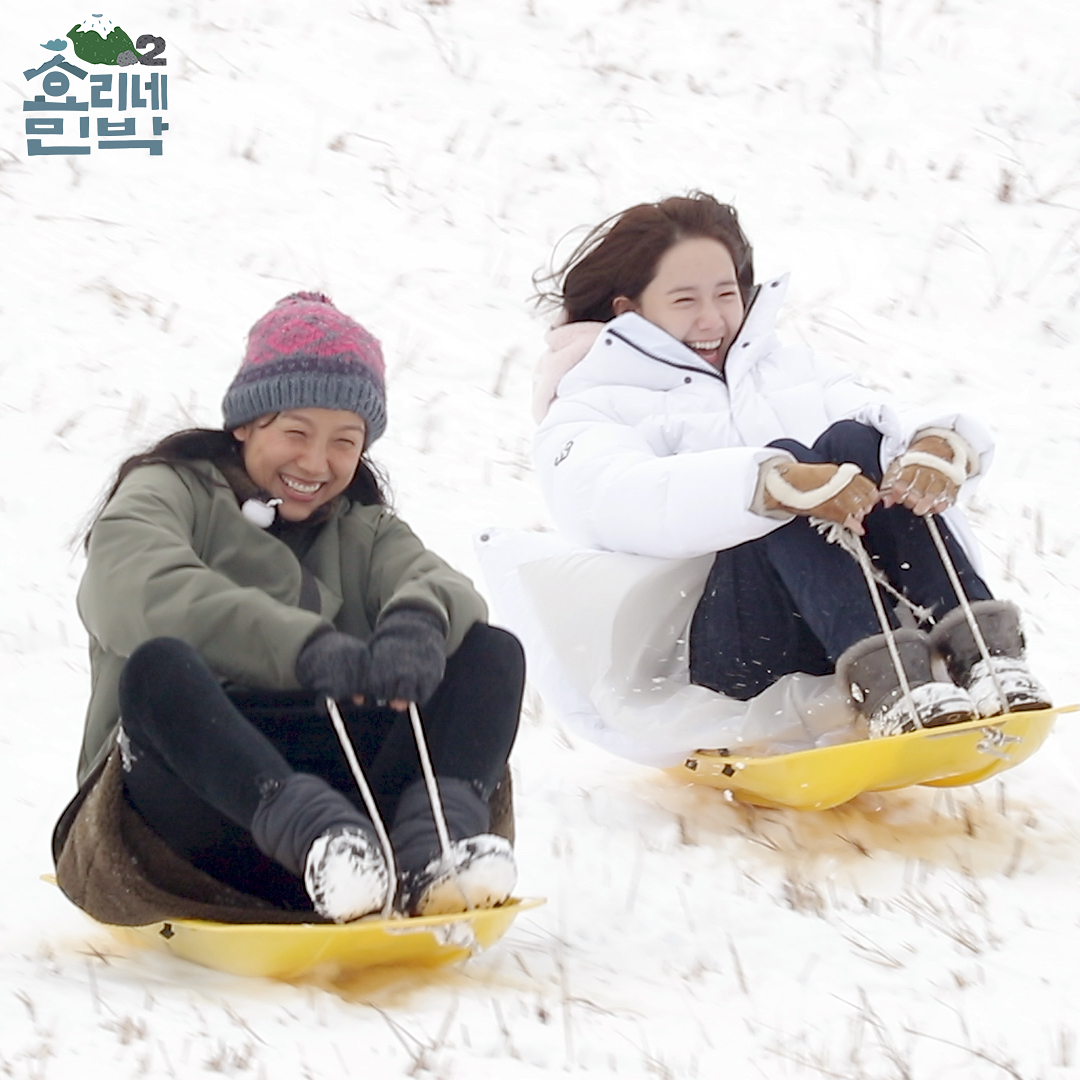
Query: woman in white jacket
point(674, 423)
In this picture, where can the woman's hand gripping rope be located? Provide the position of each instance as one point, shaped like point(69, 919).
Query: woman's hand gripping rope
point(839, 493)
point(926, 478)
point(402, 664)
point(404, 661)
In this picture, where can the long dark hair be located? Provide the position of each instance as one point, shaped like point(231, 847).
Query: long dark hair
point(619, 257)
point(186, 449)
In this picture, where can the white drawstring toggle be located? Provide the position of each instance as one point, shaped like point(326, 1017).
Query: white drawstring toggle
point(261, 513)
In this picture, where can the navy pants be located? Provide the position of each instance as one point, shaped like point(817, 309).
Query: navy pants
point(198, 759)
point(790, 601)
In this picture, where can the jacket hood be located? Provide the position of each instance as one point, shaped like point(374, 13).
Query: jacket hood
point(570, 343)
point(566, 345)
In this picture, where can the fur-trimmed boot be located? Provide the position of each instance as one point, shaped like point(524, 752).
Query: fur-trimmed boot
point(866, 672)
point(1007, 672)
point(481, 872)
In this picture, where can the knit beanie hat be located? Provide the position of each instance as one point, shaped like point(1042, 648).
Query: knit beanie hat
point(304, 353)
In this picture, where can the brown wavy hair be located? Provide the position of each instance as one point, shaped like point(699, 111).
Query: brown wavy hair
point(619, 257)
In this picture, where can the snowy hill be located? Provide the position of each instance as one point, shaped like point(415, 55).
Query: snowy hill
point(914, 163)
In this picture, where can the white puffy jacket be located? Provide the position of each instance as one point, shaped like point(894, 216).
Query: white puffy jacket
point(647, 449)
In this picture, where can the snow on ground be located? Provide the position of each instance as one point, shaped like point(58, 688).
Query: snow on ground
point(915, 163)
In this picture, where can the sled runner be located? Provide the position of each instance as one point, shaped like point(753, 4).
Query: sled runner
point(292, 951)
point(828, 776)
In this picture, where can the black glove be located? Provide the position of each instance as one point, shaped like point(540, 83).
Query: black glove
point(408, 655)
point(335, 664)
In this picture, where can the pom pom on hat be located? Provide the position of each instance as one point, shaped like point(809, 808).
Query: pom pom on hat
point(304, 354)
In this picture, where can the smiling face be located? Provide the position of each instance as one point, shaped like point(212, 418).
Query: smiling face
point(305, 457)
point(694, 296)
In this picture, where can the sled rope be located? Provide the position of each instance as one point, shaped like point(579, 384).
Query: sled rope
point(369, 800)
point(886, 628)
point(429, 780)
point(838, 534)
point(961, 595)
point(436, 800)
point(835, 533)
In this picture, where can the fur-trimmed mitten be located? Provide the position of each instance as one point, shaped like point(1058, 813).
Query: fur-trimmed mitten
point(927, 476)
point(838, 493)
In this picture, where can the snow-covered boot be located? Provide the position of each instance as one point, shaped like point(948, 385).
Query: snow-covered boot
point(316, 833)
point(866, 672)
point(480, 872)
point(1007, 671)
point(345, 874)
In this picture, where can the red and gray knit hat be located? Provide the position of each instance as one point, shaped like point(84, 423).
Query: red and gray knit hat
point(306, 354)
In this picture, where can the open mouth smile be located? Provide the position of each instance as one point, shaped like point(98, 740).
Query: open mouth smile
point(299, 486)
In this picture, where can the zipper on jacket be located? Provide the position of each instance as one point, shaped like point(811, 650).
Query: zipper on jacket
point(686, 367)
point(662, 360)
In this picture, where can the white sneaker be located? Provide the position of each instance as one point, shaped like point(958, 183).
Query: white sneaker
point(936, 704)
point(345, 875)
point(482, 875)
point(1021, 689)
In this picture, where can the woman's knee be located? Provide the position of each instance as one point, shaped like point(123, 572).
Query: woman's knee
point(496, 652)
point(163, 651)
point(154, 669)
point(483, 688)
point(846, 440)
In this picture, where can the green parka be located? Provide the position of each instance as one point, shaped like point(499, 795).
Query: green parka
point(173, 556)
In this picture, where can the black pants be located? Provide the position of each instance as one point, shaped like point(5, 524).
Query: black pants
point(197, 759)
point(790, 601)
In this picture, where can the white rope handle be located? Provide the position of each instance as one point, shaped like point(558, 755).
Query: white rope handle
point(436, 801)
point(961, 595)
point(886, 627)
point(835, 533)
point(369, 800)
point(430, 781)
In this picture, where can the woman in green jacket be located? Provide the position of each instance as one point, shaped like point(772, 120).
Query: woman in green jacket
point(235, 580)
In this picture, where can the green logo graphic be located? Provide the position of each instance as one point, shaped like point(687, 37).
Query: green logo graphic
point(97, 40)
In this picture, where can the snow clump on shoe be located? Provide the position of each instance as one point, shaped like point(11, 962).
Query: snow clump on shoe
point(345, 875)
point(480, 873)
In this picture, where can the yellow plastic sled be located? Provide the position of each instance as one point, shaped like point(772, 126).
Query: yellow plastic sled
point(818, 779)
point(293, 951)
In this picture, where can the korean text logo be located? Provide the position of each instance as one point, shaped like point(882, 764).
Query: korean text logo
point(114, 110)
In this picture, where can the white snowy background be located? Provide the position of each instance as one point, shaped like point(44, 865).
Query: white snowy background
point(914, 163)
